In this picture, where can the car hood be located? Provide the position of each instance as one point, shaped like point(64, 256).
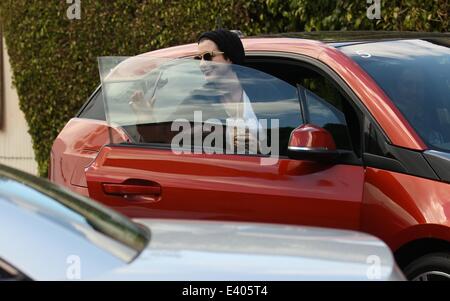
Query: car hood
point(203, 250)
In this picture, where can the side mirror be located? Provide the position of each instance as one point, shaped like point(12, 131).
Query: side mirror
point(310, 142)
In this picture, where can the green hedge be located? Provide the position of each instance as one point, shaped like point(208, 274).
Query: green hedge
point(54, 58)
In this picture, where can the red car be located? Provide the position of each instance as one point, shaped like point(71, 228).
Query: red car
point(359, 129)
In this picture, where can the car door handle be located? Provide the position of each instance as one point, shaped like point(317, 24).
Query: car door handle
point(129, 189)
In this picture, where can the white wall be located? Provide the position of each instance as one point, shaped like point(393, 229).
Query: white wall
point(15, 143)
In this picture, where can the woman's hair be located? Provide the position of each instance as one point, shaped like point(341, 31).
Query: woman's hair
point(228, 42)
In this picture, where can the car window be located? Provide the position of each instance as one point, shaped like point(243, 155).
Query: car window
point(326, 105)
point(75, 213)
point(94, 109)
point(156, 104)
point(174, 90)
point(415, 74)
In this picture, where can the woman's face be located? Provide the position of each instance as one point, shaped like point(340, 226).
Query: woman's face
point(208, 45)
point(219, 65)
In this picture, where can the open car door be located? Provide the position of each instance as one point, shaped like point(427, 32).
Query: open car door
point(209, 141)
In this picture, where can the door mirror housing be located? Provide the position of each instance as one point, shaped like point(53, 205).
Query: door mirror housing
point(310, 142)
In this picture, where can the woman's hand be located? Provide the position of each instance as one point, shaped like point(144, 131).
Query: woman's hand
point(139, 104)
point(142, 108)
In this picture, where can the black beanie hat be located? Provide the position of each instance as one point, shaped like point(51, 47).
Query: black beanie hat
point(228, 42)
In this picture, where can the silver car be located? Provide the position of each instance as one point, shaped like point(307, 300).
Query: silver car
point(48, 233)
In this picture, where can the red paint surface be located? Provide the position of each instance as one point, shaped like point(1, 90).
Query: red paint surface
point(75, 148)
point(312, 136)
point(231, 187)
point(400, 208)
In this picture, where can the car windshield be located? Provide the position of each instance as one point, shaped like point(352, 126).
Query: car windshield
point(415, 74)
point(74, 212)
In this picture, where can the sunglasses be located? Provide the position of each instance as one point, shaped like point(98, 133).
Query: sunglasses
point(207, 55)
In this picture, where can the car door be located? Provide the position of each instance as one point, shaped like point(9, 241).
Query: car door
point(155, 175)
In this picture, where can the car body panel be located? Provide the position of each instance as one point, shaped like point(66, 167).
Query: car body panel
point(231, 187)
point(401, 208)
point(45, 246)
point(186, 250)
point(75, 148)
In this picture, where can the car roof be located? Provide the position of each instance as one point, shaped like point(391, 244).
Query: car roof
point(338, 37)
point(310, 43)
